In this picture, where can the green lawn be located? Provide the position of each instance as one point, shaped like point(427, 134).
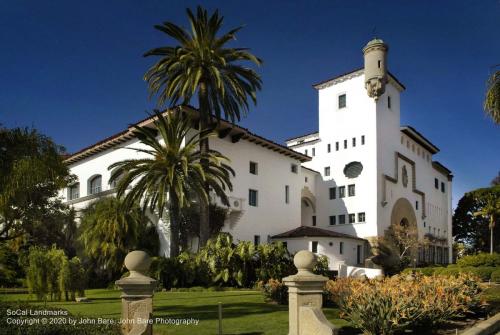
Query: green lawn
point(244, 311)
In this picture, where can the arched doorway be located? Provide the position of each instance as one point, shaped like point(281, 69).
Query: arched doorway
point(403, 213)
point(404, 227)
point(307, 207)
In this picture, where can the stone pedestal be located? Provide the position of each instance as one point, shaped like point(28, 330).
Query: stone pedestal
point(305, 298)
point(137, 296)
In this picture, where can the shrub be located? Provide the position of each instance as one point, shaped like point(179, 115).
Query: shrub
point(495, 276)
point(276, 291)
point(400, 302)
point(481, 259)
point(483, 272)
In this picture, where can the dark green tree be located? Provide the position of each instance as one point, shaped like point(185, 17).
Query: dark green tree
point(492, 99)
point(31, 174)
point(171, 176)
point(201, 65)
point(472, 229)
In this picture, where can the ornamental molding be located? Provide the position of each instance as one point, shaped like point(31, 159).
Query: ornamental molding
point(340, 79)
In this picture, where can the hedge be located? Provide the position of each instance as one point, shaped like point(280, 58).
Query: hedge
point(485, 273)
point(481, 259)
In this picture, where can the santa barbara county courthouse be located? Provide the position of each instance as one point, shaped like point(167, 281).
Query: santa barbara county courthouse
point(333, 191)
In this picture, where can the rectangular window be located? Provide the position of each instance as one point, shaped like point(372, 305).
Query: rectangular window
point(314, 220)
point(352, 218)
point(333, 193)
point(341, 248)
point(327, 171)
point(333, 220)
point(436, 183)
point(254, 169)
point(305, 179)
point(256, 239)
point(294, 168)
point(342, 192)
point(389, 105)
point(342, 101)
point(314, 246)
point(285, 245)
point(313, 151)
point(361, 217)
point(351, 189)
point(328, 147)
point(354, 142)
point(253, 197)
point(305, 153)
point(74, 191)
point(363, 140)
point(358, 254)
point(342, 219)
point(345, 144)
point(442, 187)
point(287, 194)
point(336, 146)
point(416, 205)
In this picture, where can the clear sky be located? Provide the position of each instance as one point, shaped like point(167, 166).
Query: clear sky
point(73, 69)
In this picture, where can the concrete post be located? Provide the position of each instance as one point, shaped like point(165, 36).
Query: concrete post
point(137, 296)
point(305, 298)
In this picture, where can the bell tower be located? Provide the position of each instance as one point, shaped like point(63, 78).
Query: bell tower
point(375, 54)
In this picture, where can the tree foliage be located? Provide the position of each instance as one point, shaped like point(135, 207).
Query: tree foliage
point(31, 173)
point(492, 99)
point(201, 64)
point(171, 176)
point(108, 231)
point(474, 230)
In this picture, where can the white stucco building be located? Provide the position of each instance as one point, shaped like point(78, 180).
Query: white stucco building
point(333, 191)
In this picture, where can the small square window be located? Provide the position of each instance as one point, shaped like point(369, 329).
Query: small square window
point(354, 141)
point(342, 101)
point(294, 168)
point(254, 168)
point(314, 246)
point(327, 171)
point(345, 144)
point(361, 217)
point(314, 220)
point(342, 192)
point(336, 146)
point(328, 147)
point(351, 190)
point(342, 219)
point(352, 218)
point(333, 220)
point(333, 193)
point(253, 197)
point(362, 139)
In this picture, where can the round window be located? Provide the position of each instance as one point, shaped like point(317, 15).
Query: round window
point(353, 169)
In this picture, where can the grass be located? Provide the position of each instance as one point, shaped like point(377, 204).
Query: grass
point(492, 296)
point(244, 311)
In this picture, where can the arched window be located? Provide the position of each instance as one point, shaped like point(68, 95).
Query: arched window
point(74, 191)
point(114, 183)
point(95, 184)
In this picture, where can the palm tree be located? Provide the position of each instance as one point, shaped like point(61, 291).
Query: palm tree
point(201, 65)
point(108, 233)
point(490, 210)
point(172, 173)
point(492, 100)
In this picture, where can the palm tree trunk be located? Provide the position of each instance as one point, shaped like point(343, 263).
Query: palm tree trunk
point(204, 148)
point(492, 226)
point(174, 225)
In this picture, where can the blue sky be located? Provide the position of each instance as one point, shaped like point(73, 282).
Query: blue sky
point(73, 69)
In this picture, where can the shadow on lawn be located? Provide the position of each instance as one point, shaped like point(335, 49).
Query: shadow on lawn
point(209, 312)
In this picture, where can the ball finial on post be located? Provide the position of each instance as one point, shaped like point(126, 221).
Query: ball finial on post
point(305, 261)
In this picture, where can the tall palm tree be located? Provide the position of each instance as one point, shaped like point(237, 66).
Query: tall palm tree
point(492, 100)
point(171, 174)
point(490, 210)
point(200, 64)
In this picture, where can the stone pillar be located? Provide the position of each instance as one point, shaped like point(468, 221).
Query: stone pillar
point(137, 296)
point(305, 298)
